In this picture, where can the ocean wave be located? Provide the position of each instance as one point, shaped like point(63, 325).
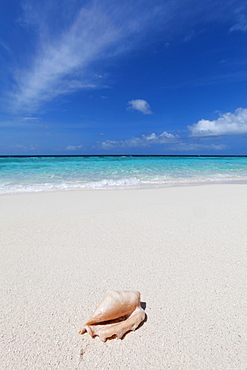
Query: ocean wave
point(124, 183)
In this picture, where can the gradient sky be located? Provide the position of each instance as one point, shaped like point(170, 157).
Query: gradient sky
point(123, 77)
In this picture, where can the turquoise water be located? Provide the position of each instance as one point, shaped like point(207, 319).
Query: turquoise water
point(32, 174)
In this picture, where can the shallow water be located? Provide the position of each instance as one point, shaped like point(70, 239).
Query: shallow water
point(33, 174)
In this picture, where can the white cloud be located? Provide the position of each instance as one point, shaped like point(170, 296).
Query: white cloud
point(227, 124)
point(73, 147)
point(140, 105)
point(142, 141)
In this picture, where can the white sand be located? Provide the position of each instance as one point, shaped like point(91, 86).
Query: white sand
point(183, 248)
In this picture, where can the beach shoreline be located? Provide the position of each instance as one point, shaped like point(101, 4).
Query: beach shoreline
point(37, 174)
point(125, 187)
point(182, 247)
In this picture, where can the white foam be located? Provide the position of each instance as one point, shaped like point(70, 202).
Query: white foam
point(7, 188)
point(124, 183)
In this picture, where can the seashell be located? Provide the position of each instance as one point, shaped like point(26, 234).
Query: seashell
point(105, 331)
point(115, 305)
point(118, 313)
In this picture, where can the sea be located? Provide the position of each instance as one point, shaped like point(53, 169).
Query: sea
point(60, 173)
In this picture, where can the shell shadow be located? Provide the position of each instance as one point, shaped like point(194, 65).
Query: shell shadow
point(143, 305)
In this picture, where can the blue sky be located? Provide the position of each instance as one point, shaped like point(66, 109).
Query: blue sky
point(123, 77)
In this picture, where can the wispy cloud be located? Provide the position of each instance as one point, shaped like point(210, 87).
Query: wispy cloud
point(68, 39)
point(224, 78)
point(140, 105)
point(241, 20)
point(65, 50)
point(227, 124)
point(29, 147)
point(5, 47)
point(30, 118)
point(140, 141)
point(61, 61)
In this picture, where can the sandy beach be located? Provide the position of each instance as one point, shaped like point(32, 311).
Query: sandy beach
point(183, 248)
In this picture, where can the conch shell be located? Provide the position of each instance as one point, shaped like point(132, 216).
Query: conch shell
point(118, 313)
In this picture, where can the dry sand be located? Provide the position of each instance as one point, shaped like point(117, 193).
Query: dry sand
point(183, 248)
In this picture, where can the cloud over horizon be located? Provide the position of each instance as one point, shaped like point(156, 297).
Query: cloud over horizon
point(140, 141)
point(227, 124)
